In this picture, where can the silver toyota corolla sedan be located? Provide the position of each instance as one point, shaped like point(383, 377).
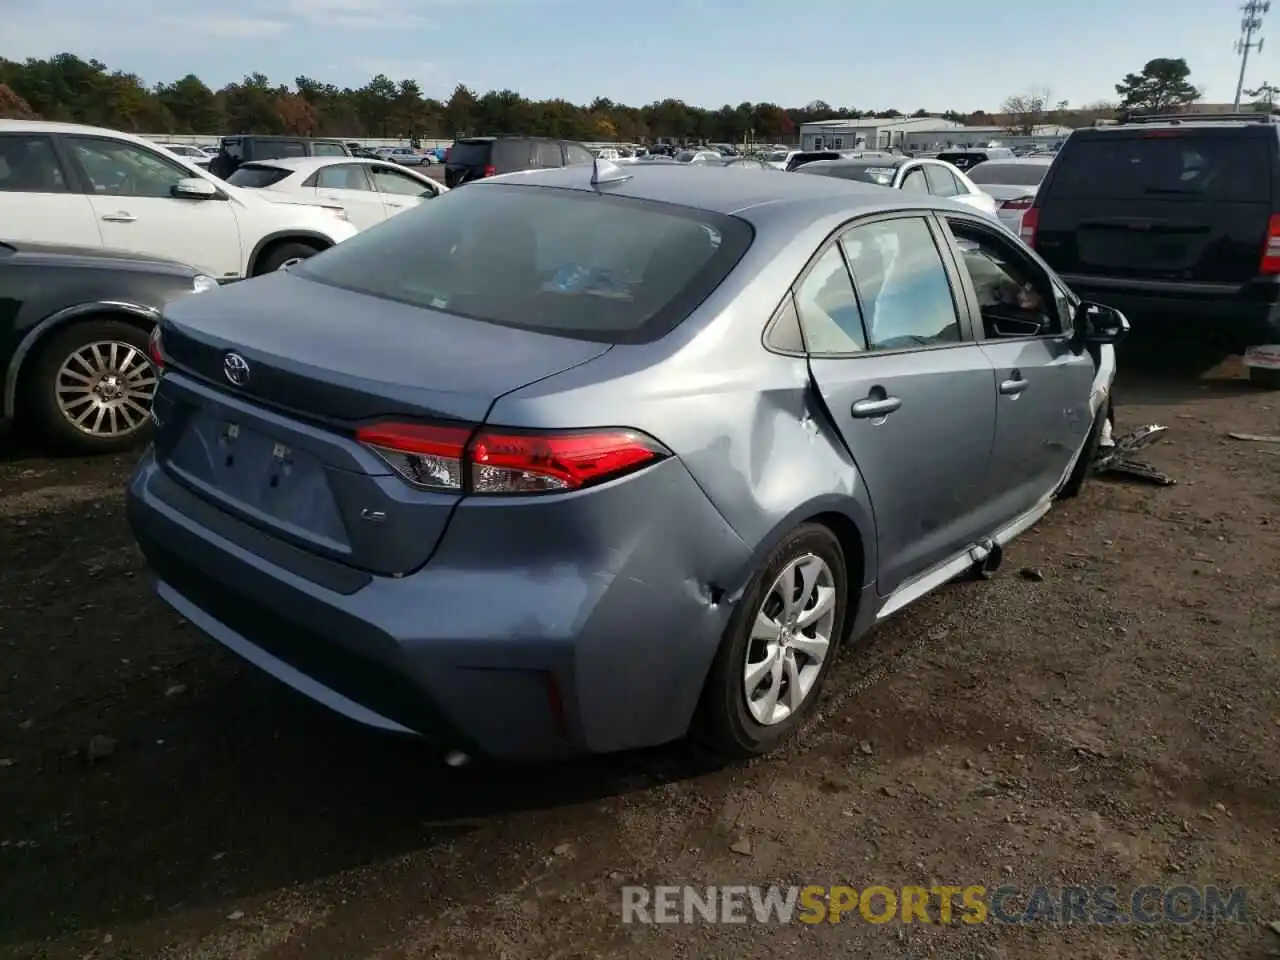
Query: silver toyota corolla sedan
point(588, 459)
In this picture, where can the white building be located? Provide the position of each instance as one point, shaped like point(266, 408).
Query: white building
point(865, 133)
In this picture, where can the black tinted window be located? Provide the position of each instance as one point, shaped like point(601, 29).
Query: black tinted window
point(256, 175)
point(559, 261)
point(471, 154)
point(1008, 174)
point(1161, 164)
point(29, 165)
point(271, 149)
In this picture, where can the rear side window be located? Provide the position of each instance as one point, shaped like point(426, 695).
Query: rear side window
point(471, 153)
point(602, 268)
point(1166, 165)
point(257, 175)
point(329, 150)
point(576, 153)
point(546, 153)
point(271, 149)
point(1009, 174)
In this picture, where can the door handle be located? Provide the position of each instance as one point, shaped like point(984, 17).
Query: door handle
point(1013, 386)
point(119, 217)
point(875, 406)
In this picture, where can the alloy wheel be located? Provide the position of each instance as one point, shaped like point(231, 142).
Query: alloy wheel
point(790, 639)
point(105, 388)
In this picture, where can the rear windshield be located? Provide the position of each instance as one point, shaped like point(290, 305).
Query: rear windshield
point(964, 159)
point(1166, 165)
point(1008, 174)
point(471, 153)
point(880, 175)
point(256, 175)
point(567, 262)
point(803, 158)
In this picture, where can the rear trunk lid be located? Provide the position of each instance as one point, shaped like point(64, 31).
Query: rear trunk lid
point(277, 450)
point(1172, 204)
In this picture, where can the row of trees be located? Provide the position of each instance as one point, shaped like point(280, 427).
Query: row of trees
point(67, 88)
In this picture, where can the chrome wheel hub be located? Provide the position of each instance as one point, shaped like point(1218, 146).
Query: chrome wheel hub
point(105, 389)
point(790, 640)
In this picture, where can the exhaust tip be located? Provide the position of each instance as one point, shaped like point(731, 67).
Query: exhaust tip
point(456, 759)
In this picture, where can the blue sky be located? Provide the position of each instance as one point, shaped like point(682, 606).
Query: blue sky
point(930, 54)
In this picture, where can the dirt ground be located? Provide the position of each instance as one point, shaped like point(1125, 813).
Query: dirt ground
point(1111, 718)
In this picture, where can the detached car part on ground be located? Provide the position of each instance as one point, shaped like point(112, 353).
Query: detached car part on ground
point(590, 458)
point(74, 330)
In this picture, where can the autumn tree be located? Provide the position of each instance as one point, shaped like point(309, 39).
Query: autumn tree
point(1162, 85)
point(1026, 111)
point(13, 107)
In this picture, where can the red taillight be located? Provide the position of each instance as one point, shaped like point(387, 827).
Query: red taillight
point(496, 461)
point(490, 170)
point(155, 349)
point(1022, 203)
point(1271, 248)
point(1030, 222)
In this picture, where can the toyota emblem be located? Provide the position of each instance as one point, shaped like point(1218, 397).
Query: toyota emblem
point(236, 369)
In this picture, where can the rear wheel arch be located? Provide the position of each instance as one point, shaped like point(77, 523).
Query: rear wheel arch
point(20, 366)
point(844, 518)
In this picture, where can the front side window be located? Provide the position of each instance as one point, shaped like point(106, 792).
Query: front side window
point(1015, 298)
point(29, 165)
point(602, 268)
point(902, 285)
point(119, 169)
point(829, 314)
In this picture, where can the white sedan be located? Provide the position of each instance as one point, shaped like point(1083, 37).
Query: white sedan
point(369, 191)
point(933, 177)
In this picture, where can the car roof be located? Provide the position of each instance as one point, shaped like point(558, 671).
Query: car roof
point(1039, 161)
point(308, 164)
point(716, 189)
point(889, 160)
point(51, 126)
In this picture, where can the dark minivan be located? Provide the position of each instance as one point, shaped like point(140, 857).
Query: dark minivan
point(233, 151)
point(472, 158)
point(1170, 217)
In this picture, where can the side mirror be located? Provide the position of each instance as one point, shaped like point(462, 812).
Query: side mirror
point(194, 188)
point(1101, 324)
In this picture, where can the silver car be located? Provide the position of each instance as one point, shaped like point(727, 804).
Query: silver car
point(530, 472)
point(1013, 183)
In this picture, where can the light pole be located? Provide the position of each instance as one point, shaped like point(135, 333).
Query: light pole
point(1250, 24)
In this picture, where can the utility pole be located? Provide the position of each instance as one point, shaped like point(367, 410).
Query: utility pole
point(1250, 24)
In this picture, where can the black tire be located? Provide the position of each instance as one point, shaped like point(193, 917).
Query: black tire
point(45, 419)
point(1083, 469)
point(1266, 377)
point(284, 253)
point(724, 722)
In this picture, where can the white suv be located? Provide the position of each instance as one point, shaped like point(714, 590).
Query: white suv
point(89, 187)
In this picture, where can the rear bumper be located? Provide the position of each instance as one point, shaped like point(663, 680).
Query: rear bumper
point(595, 640)
point(1241, 312)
